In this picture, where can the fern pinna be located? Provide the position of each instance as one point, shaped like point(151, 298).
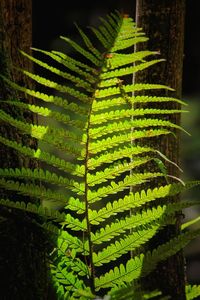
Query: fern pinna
point(96, 162)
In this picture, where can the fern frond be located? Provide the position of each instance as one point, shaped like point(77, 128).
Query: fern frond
point(54, 85)
point(41, 155)
point(108, 25)
point(75, 205)
point(103, 40)
point(126, 43)
point(136, 220)
point(117, 140)
point(127, 125)
point(115, 115)
point(115, 170)
point(33, 208)
point(54, 115)
point(34, 190)
point(134, 201)
point(75, 79)
point(192, 291)
point(69, 62)
point(82, 51)
point(124, 245)
point(113, 188)
point(61, 275)
point(73, 262)
point(126, 71)
point(74, 223)
point(120, 153)
point(73, 242)
point(116, 102)
point(147, 216)
point(144, 264)
point(120, 60)
point(41, 175)
point(48, 134)
point(88, 43)
point(112, 91)
point(94, 157)
point(59, 101)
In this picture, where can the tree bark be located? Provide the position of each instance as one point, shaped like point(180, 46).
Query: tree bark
point(163, 23)
point(22, 256)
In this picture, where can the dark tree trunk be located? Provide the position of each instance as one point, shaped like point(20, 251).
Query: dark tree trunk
point(163, 23)
point(22, 257)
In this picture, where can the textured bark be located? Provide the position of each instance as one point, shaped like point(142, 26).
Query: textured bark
point(22, 255)
point(163, 23)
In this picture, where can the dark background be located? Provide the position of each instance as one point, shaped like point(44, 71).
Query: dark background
point(54, 18)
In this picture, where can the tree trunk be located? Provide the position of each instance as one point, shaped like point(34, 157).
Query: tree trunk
point(22, 256)
point(163, 23)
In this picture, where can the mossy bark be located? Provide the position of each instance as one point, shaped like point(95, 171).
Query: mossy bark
point(23, 269)
point(163, 23)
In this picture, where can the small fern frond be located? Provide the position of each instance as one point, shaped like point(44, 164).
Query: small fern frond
point(129, 88)
point(43, 156)
point(113, 188)
point(127, 125)
point(75, 79)
point(121, 226)
point(69, 62)
point(115, 115)
point(128, 243)
point(121, 153)
point(124, 139)
point(126, 71)
point(60, 88)
point(57, 100)
point(116, 170)
point(34, 190)
point(34, 209)
point(41, 175)
point(133, 201)
point(142, 265)
point(88, 43)
point(116, 102)
point(55, 137)
point(82, 51)
point(54, 115)
point(192, 291)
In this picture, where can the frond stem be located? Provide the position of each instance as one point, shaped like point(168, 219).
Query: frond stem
point(92, 277)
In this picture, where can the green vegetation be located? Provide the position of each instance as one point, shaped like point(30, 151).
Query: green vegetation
point(94, 166)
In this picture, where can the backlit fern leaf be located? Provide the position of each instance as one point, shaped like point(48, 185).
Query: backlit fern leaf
point(89, 131)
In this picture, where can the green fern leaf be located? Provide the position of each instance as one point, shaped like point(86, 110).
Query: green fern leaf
point(128, 70)
point(40, 174)
point(192, 291)
point(128, 243)
point(116, 228)
point(69, 62)
point(95, 161)
point(117, 140)
point(143, 264)
point(41, 155)
point(78, 81)
point(115, 170)
point(82, 51)
point(33, 208)
point(113, 188)
point(111, 156)
point(116, 102)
